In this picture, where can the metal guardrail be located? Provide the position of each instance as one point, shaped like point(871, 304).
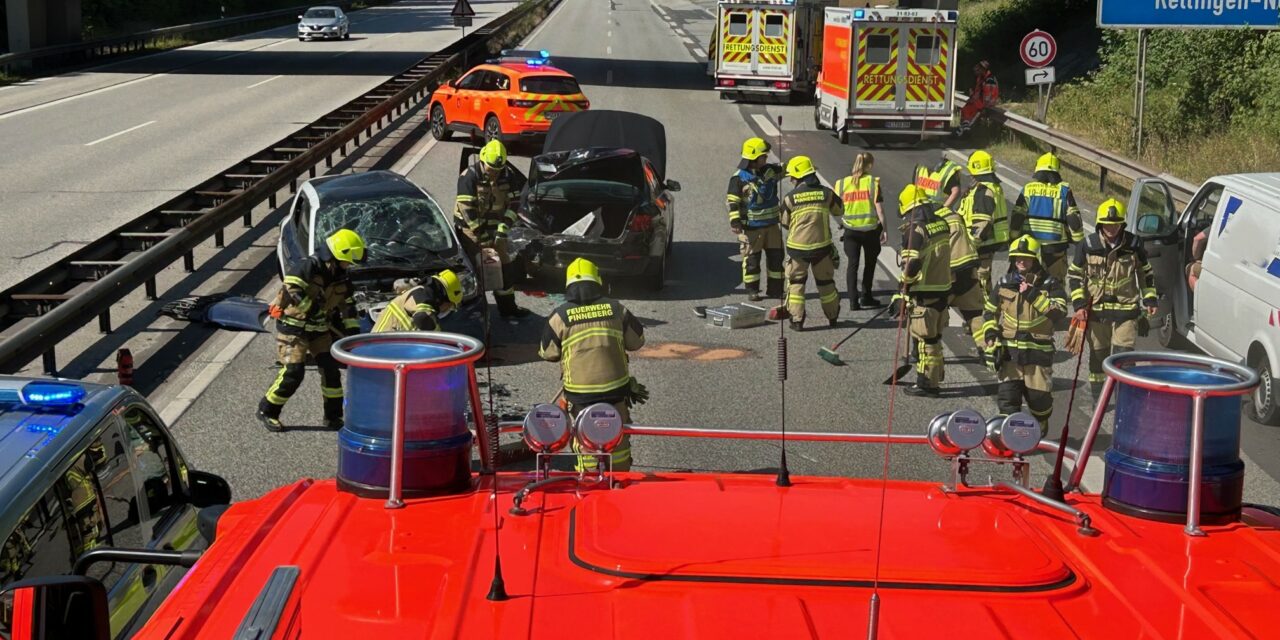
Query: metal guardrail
point(1107, 161)
point(81, 52)
point(44, 309)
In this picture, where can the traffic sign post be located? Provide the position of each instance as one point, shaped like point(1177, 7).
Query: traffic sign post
point(462, 13)
point(1038, 51)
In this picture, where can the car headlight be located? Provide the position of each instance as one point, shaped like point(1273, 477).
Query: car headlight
point(469, 285)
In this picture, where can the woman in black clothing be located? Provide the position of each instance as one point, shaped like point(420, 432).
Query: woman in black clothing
point(864, 228)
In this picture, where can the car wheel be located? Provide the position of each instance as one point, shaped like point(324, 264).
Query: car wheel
point(492, 129)
point(439, 126)
point(656, 278)
point(817, 117)
point(346, 35)
point(1264, 397)
point(301, 39)
point(1168, 336)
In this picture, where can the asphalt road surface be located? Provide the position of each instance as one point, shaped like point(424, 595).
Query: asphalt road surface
point(634, 55)
point(83, 153)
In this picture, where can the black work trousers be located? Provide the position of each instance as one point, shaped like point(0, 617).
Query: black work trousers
point(867, 245)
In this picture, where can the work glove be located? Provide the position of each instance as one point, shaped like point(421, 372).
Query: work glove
point(275, 311)
point(736, 226)
point(897, 306)
point(502, 231)
point(835, 257)
point(994, 356)
point(639, 393)
point(1144, 326)
point(1152, 305)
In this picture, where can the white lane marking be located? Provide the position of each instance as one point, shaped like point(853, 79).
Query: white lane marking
point(610, 34)
point(608, 50)
point(766, 126)
point(190, 393)
point(38, 107)
point(340, 54)
point(259, 84)
point(687, 40)
point(608, 76)
point(700, 53)
point(404, 167)
point(119, 133)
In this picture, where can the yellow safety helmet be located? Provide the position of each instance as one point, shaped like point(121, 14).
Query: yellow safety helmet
point(910, 198)
point(1025, 247)
point(494, 154)
point(981, 162)
point(452, 285)
point(754, 148)
point(800, 166)
point(1111, 212)
point(582, 270)
point(1048, 162)
point(346, 246)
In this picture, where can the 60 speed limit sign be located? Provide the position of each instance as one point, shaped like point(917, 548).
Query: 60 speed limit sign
point(1038, 49)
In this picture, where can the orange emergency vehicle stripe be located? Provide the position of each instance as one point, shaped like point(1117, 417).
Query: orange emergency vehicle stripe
point(551, 102)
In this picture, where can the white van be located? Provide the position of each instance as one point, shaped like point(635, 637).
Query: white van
point(1234, 313)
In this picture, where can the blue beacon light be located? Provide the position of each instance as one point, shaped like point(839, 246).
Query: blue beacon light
point(859, 14)
point(51, 394)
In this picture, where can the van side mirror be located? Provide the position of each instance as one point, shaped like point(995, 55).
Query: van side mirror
point(1150, 225)
point(208, 489)
point(56, 608)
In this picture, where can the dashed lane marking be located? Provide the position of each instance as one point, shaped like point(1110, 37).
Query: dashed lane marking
point(259, 84)
point(119, 133)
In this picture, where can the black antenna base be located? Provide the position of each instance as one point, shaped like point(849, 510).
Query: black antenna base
point(1053, 488)
point(784, 475)
point(497, 588)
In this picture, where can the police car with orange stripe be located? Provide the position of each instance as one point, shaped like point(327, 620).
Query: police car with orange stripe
point(513, 97)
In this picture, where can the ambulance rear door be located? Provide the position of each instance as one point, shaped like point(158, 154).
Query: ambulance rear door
point(879, 70)
point(927, 61)
point(737, 36)
point(774, 44)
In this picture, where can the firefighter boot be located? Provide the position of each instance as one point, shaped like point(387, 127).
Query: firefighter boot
point(507, 307)
point(333, 414)
point(269, 415)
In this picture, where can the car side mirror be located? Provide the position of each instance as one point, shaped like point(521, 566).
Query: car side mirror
point(56, 608)
point(672, 185)
point(1150, 224)
point(208, 489)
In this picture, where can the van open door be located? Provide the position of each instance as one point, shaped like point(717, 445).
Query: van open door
point(1154, 219)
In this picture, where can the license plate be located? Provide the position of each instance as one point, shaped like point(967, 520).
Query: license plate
point(897, 124)
point(551, 115)
point(756, 83)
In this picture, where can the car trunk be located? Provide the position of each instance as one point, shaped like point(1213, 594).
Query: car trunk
point(588, 209)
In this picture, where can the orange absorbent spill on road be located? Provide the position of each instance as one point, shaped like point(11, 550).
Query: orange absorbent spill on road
point(684, 351)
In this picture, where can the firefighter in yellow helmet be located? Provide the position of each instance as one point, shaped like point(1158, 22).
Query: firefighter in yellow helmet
point(316, 293)
point(1046, 210)
point(488, 192)
point(1021, 311)
point(753, 200)
point(1112, 282)
point(985, 211)
point(419, 305)
point(806, 214)
point(925, 259)
point(590, 335)
point(940, 184)
point(967, 296)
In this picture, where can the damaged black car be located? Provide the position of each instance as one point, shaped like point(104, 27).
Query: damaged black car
point(599, 191)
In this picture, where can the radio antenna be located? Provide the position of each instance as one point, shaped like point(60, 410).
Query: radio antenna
point(1053, 484)
point(497, 587)
point(784, 474)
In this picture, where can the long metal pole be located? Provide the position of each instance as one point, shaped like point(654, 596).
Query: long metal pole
point(1197, 465)
point(1142, 86)
point(1086, 447)
point(394, 492)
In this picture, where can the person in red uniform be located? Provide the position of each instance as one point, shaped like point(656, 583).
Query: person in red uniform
point(984, 95)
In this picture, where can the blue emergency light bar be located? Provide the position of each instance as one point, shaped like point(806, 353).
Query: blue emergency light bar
point(532, 58)
point(859, 14)
point(41, 393)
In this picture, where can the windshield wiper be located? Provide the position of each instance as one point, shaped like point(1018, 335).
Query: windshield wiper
point(435, 252)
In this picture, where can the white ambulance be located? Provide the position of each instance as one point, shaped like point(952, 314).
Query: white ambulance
point(886, 70)
point(1233, 312)
point(766, 49)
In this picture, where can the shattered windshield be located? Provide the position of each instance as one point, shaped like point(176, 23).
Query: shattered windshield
point(396, 229)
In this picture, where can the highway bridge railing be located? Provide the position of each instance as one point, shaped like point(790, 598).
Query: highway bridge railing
point(1107, 161)
point(45, 59)
point(46, 308)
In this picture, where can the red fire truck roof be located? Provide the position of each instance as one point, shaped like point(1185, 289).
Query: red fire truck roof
point(723, 556)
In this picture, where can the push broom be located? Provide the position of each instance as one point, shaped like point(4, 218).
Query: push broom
point(830, 353)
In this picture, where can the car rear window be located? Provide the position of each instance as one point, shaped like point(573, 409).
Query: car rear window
point(554, 85)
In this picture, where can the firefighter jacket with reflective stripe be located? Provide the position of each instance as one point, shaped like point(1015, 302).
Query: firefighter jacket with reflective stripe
point(937, 184)
point(1023, 320)
point(1117, 278)
point(485, 203)
point(313, 295)
point(963, 254)
point(1046, 209)
point(986, 214)
point(926, 255)
point(754, 198)
point(590, 339)
point(413, 310)
point(806, 213)
point(860, 197)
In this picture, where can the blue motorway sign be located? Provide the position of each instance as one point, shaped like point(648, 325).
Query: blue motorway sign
point(1193, 14)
